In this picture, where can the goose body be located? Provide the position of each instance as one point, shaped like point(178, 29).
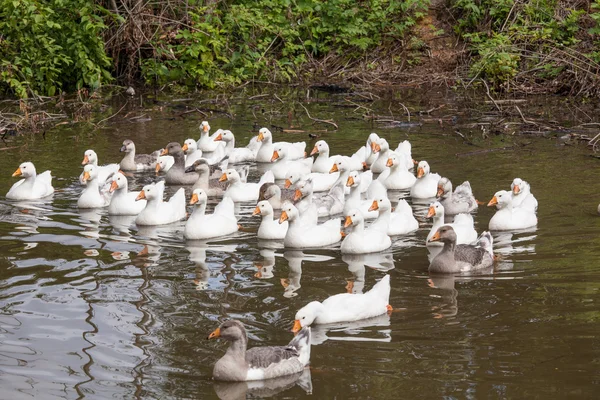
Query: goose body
point(463, 257)
point(206, 143)
point(164, 163)
point(330, 204)
point(212, 187)
point(33, 186)
point(176, 175)
point(346, 307)
point(258, 363)
point(105, 172)
point(321, 182)
point(123, 202)
point(274, 195)
point(361, 240)
point(157, 211)
point(91, 195)
point(463, 225)
point(354, 200)
point(509, 217)
point(459, 201)
point(323, 162)
point(281, 163)
point(269, 228)
point(265, 153)
point(405, 149)
point(205, 226)
point(522, 196)
point(240, 191)
point(304, 235)
point(382, 148)
point(236, 154)
point(137, 162)
point(191, 151)
point(399, 177)
point(402, 220)
point(426, 184)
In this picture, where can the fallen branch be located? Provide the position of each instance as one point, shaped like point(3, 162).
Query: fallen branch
point(330, 122)
point(112, 116)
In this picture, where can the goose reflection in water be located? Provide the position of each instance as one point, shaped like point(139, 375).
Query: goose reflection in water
point(197, 250)
point(265, 266)
point(356, 265)
point(263, 389)
point(294, 259)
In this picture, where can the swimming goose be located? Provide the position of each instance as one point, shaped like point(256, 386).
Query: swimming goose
point(269, 228)
point(463, 257)
point(265, 153)
point(274, 195)
point(240, 191)
point(205, 226)
point(426, 184)
point(344, 165)
point(508, 217)
point(399, 178)
point(157, 211)
point(369, 156)
point(258, 363)
point(346, 307)
point(307, 235)
point(330, 204)
point(122, 201)
point(303, 200)
point(354, 200)
point(384, 207)
point(463, 225)
point(321, 182)
point(33, 186)
point(92, 196)
point(323, 162)
point(164, 164)
point(361, 240)
point(212, 187)
point(137, 162)
point(281, 163)
point(522, 196)
point(236, 154)
point(382, 148)
point(191, 151)
point(104, 171)
point(405, 149)
point(207, 143)
point(402, 220)
point(176, 174)
point(461, 201)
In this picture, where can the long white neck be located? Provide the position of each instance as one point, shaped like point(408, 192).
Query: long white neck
point(199, 211)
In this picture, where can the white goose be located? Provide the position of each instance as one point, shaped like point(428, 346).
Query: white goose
point(205, 226)
point(33, 186)
point(122, 201)
point(265, 153)
point(463, 225)
point(242, 191)
point(344, 165)
point(405, 149)
point(235, 154)
point(321, 182)
point(91, 195)
point(382, 149)
point(402, 220)
point(522, 196)
point(207, 143)
point(361, 240)
point(426, 184)
point(330, 204)
point(304, 235)
point(192, 152)
point(269, 228)
point(157, 211)
point(104, 171)
point(399, 177)
point(346, 307)
point(164, 163)
point(281, 163)
point(509, 217)
point(354, 200)
point(323, 162)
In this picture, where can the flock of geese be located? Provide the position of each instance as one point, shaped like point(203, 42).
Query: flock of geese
point(312, 190)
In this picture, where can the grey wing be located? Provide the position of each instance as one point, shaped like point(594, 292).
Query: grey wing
point(287, 194)
point(262, 357)
point(464, 189)
point(145, 159)
point(469, 254)
point(215, 183)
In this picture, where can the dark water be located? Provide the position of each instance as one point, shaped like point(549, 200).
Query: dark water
point(90, 306)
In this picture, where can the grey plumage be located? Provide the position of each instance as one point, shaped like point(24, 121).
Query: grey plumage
point(176, 175)
point(213, 187)
point(464, 257)
point(131, 161)
point(459, 201)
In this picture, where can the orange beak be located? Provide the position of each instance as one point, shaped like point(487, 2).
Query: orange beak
point(18, 172)
point(288, 183)
point(374, 206)
point(350, 181)
point(113, 186)
point(440, 191)
point(258, 275)
point(223, 178)
point(373, 144)
point(157, 167)
point(86, 176)
point(215, 334)
point(256, 211)
point(164, 152)
point(348, 222)
point(297, 195)
point(283, 218)
point(194, 198)
point(516, 189)
point(260, 137)
point(365, 166)
point(185, 147)
point(297, 326)
point(141, 196)
point(376, 148)
point(314, 151)
point(87, 160)
point(431, 212)
point(275, 156)
point(420, 172)
point(333, 169)
point(435, 237)
point(219, 137)
point(414, 162)
point(205, 128)
point(389, 162)
point(493, 201)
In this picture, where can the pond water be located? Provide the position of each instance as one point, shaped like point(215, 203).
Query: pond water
point(92, 306)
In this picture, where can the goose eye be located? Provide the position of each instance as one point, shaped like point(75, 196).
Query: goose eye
point(303, 317)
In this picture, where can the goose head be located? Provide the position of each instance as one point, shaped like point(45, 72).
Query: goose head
point(289, 212)
point(199, 166)
point(321, 147)
point(119, 181)
point(198, 197)
point(128, 146)
point(230, 175)
point(225, 136)
point(150, 192)
point(306, 315)
point(25, 170)
point(445, 234)
point(263, 208)
point(436, 209)
point(501, 199)
point(381, 203)
point(373, 137)
point(161, 164)
point(89, 157)
point(204, 127)
point(279, 153)
point(353, 218)
point(519, 186)
point(90, 172)
point(303, 189)
point(339, 165)
point(393, 161)
point(422, 169)
point(189, 146)
point(230, 330)
point(353, 179)
point(292, 178)
point(172, 149)
point(264, 135)
point(444, 187)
